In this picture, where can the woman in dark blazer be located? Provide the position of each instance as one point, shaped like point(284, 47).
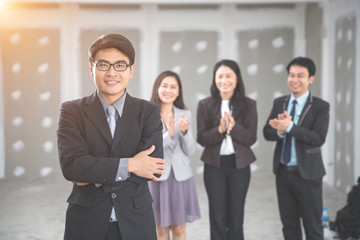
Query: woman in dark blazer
point(227, 126)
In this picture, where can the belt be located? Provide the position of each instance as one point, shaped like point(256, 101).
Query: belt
point(289, 168)
point(112, 220)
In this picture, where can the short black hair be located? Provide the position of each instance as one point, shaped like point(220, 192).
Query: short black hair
point(113, 40)
point(304, 62)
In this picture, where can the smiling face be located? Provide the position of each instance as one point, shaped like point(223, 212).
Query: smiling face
point(298, 80)
point(225, 80)
point(168, 90)
point(111, 84)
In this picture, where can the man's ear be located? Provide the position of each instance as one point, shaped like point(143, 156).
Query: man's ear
point(91, 70)
point(132, 67)
point(311, 79)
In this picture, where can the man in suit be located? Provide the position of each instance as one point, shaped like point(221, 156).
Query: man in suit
point(297, 160)
point(110, 155)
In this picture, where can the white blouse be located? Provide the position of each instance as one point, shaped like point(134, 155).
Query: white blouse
point(227, 147)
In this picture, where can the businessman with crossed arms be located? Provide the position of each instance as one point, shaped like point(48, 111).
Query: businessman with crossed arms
point(110, 146)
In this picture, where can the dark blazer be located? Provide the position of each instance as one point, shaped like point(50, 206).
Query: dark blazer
point(309, 134)
point(209, 137)
point(88, 154)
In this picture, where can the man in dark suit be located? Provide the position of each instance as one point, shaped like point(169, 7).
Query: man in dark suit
point(297, 162)
point(110, 155)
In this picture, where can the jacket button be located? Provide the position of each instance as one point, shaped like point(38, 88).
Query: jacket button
point(113, 195)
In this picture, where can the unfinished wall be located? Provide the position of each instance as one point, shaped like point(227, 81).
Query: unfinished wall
point(31, 83)
point(344, 94)
point(43, 62)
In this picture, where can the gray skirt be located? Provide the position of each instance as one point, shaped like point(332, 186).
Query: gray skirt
point(175, 203)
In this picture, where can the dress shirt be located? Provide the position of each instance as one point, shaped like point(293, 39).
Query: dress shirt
point(299, 107)
point(122, 173)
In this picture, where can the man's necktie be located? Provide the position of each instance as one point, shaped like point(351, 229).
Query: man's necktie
point(112, 125)
point(112, 120)
point(287, 144)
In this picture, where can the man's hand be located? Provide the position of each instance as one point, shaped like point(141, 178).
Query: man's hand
point(145, 166)
point(281, 123)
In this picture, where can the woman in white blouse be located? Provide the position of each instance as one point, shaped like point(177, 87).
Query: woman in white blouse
point(227, 125)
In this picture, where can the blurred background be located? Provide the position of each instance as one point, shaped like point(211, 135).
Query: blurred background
point(43, 62)
point(43, 49)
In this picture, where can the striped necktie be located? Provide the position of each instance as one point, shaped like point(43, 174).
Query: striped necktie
point(112, 125)
point(111, 119)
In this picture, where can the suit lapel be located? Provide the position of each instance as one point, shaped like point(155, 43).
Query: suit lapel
point(217, 112)
point(130, 113)
point(285, 103)
point(306, 108)
point(95, 111)
point(177, 116)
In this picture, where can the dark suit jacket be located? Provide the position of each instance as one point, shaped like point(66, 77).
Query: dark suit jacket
point(209, 136)
point(309, 134)
point(88, 154)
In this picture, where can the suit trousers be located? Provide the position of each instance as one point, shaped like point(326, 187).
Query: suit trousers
point(299, 198)
point(226, 188)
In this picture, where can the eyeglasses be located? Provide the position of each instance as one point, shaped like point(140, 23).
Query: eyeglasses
point(105, 66)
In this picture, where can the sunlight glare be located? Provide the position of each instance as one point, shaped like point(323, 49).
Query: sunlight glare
point(2, 4)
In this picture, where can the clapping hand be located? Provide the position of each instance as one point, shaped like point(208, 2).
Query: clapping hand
point(281, 123)
point(227, 123)
point(169, 122)
point(183, 124)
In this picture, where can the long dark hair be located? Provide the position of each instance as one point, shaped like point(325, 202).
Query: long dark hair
point(238, 102)
point(179, 101)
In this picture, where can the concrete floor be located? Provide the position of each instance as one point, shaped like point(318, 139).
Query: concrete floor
point(35, 210)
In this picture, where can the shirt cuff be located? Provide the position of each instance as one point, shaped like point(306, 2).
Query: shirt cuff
point(280, 135)
point(290, 127)
point(122, 173)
